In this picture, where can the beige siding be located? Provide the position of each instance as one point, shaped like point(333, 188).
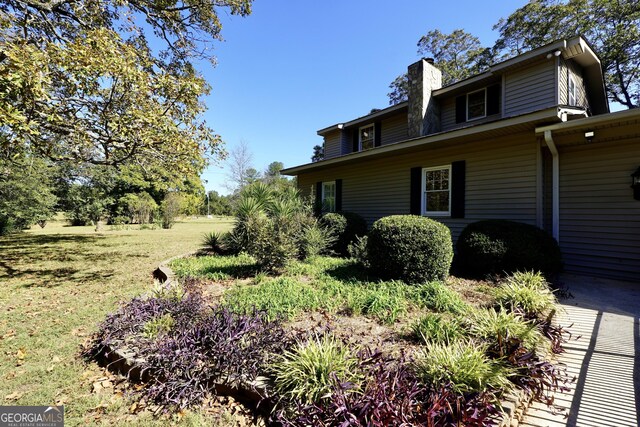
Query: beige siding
point(448, 116)
point(332, 145)
point(530, 89)
point(599, 219)
point(394, 129)
point(448, 113)
point(501, 181)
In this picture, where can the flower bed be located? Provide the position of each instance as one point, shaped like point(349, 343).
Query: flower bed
point(375, 352)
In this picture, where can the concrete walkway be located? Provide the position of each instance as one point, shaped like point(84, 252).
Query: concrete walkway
point(603, 355)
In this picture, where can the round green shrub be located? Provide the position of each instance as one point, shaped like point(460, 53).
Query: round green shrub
point(346, 227)
point(501, 246)
point(410, 248)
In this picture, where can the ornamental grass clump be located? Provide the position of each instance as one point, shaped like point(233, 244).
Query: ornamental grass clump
point(527, 293)
point(438, 297)
point(462, 364)
point(504, 332)
point(311, 370)
point(437, 328)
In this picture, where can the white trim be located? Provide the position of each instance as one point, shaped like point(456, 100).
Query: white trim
point(484, 89)
point(423, 207)
point(373, 136)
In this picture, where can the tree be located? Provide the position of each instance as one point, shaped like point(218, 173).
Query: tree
point(458, 55)
point(80, 82)
point(219, 205)
point(169, 209)
point(240, 164)
point(318, 153)
point(272, 173)
point(611, 26)
point(26, 195)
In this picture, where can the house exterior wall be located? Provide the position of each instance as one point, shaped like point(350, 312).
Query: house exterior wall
point(530, 89)
point(500, 181)
point(394, 129)
point(599, 219)
point(332, 144)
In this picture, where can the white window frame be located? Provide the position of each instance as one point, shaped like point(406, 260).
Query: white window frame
point(572, 93)
point(373, 136)
point(485, 104)
point(424, 210)
point(332, 207)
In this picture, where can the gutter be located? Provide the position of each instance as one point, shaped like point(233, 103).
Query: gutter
point(555, 168)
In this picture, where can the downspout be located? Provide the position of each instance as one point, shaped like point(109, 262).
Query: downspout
point(555, 192)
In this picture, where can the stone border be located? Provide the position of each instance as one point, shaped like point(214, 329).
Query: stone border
point(124, 362)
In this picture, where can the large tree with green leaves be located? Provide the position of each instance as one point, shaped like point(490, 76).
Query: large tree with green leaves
point(108, 82)
point(611, 26)
point(458, 55)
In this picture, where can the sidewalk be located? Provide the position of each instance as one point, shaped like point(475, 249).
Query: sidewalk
point(603, 355)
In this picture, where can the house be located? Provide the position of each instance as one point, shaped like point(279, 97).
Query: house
point(531, 140)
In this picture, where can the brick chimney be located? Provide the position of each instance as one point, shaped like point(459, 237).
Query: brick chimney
point(424, 112)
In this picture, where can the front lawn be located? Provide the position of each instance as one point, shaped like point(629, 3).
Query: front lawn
point(56, 285)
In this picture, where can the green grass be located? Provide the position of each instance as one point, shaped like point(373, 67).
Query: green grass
point(57, 284)
point(321, 283)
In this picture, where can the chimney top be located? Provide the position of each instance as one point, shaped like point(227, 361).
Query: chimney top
point(429, 60)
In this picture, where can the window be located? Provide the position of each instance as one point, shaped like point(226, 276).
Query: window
point(572, 91)
point(329, 196)
point(367, 135)
point(436, 184)
point(476, 104)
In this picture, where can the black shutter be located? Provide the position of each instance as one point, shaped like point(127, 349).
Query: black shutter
point(356, 141)
point(493, 99)
point(377, 134)
point(457, 189)
point(338, 195)
point(461, 109)
point(415, 204)
point(318, 203)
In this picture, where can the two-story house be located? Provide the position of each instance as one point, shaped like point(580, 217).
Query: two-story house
point(531, 140)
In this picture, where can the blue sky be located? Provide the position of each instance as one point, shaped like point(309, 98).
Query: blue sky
point(293, 67)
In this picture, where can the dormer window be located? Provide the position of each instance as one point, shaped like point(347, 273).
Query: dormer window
point(477, 104)
point(572, 91)
point(367, 136)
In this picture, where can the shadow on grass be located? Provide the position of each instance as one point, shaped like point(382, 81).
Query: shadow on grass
point(350, 273)
point(51, 260)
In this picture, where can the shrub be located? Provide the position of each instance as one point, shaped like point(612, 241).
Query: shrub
point(275, 226)
point(437, 328)
point(310, 370)
point(317, 239)
point(463, 364)
point(347, 227)
point(527, 293)
point(410, 248)
point(438, 297)
point(157, 326)
point(358, 251)
point(496, 246)
point(215, 241)
point(169, 209)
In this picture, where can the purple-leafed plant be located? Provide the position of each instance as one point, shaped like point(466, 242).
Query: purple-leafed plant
point(447, 408)
point(222, 347)
point(391, 395)
point(124, 327)
point(539, 378)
